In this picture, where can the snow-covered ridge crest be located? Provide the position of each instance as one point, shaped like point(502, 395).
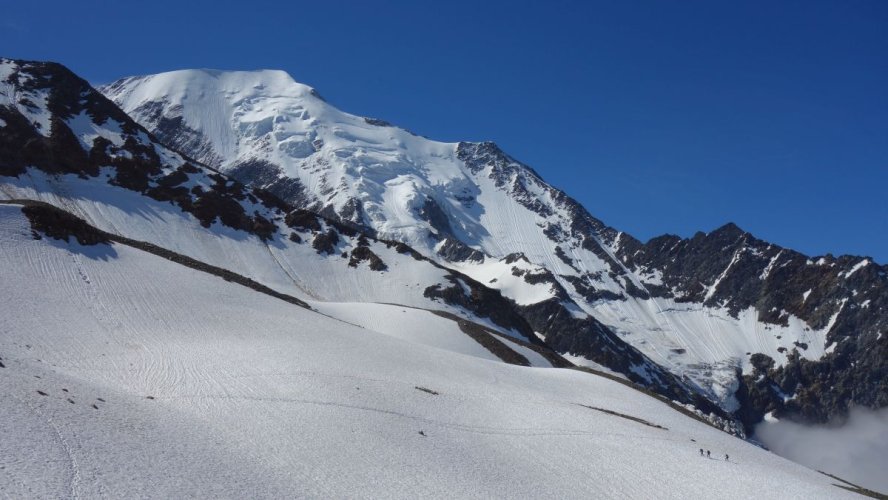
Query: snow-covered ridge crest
point(365, 172)
point(444, 199)
point(185, 87)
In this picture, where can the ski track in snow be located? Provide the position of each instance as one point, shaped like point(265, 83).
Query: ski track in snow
point(72, 469)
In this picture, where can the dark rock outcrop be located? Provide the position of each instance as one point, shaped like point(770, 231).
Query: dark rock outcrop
point(730, 268)
point(136, 164)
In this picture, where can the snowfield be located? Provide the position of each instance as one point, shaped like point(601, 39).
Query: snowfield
point(706, 344)
point(420, 326)
point(127, 375)
point(285, 266)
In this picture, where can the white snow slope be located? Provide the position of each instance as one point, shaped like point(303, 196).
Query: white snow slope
point(126, 375)
point(243, 116)
point(238, 117)
point(287, 266)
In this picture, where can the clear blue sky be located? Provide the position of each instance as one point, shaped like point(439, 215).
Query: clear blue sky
point(658, 116)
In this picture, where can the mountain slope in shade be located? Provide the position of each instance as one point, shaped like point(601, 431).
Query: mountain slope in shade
point(756, 327)
point(111, 354)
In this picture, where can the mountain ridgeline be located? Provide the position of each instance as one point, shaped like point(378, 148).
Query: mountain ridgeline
point(846, 297)
point(723, 321)
point(806, 333)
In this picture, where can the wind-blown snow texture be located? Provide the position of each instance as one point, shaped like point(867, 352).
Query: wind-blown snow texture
point(111, 355)
point(701, 307)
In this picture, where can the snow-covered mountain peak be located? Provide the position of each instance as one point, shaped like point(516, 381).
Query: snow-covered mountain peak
point(473, 208)
point(215, 99)
point(357, 169)
point(257, 103)
point(264, 124)
point(182, 85)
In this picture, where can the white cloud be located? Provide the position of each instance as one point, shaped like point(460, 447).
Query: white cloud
point(856, 450)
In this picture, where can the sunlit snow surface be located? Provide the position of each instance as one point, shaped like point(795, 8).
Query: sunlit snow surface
point(287, 267)
point(705, 344)
point(206, 388)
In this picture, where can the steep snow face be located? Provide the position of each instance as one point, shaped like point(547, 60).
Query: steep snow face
point(102, 167)
point(110, 355)
point(444, 199)
point(216, 98)
point(245, 118)
point(704, 344)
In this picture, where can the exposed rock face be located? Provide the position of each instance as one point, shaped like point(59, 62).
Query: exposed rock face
point(68, 103)
point(266, 176)
point(58, 224)
point(845, 296)
point(174, 133)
